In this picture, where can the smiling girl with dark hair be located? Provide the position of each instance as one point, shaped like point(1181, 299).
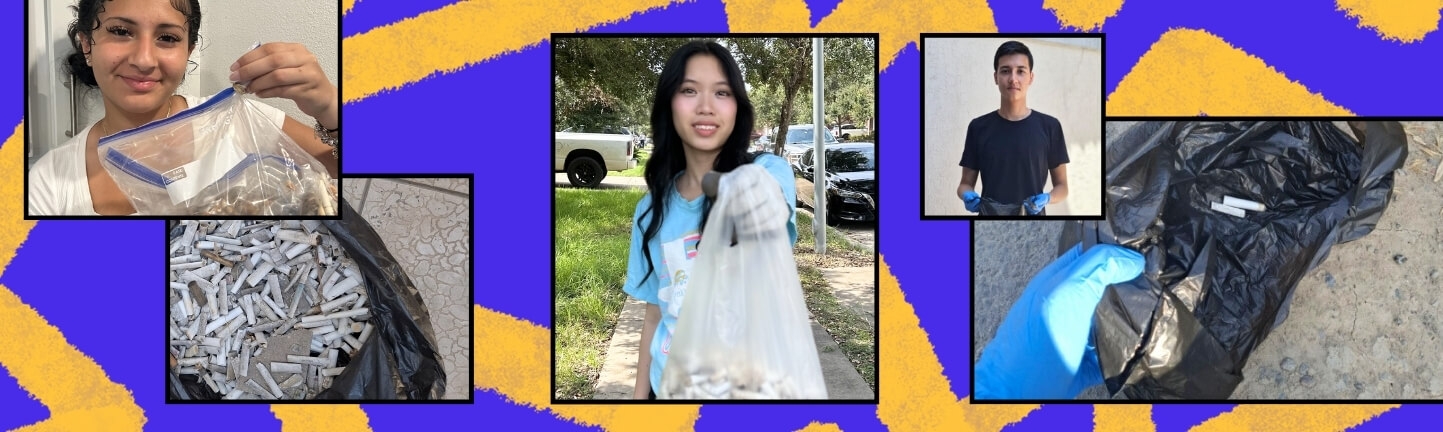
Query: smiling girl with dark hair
point(702, 120)
point(136, 52)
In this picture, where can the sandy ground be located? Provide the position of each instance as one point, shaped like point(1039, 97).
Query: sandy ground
point(1365, 324)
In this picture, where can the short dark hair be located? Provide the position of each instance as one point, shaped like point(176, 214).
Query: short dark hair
point(1009, 48)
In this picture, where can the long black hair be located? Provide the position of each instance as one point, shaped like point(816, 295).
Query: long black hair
point(87, 20)
point(667, 157)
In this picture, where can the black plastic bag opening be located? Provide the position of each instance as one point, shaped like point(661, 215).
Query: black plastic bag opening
point(399, 360)
point(1215, 285)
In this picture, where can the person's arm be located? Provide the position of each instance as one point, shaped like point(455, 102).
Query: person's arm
point(969, 181)
point(1059, 184)
point(290, 71)
point(643, 362)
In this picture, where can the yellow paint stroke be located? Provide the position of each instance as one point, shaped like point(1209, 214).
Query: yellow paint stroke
point(463, 34)
point(1190, 72)
point(13, 226)
point(467, 33)
point(821, 427)
point(1293, 417)
point(1122, 418)
point(517, 364)
point(330, 418)
point(347, 5)
point(70, 384)
point(915, 394)
point(1085, 15)
point(1405, 21)
point(896, 23)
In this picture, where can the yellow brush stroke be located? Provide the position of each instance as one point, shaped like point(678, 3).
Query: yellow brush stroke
point(1190, 72)
point(517, 364)
point(75, 389)
point(896, 23)
point(462, 34)
point(1293, 417)
point(13, 226)
point(1085, 15)
point(915, 395)
point(1405, 21)
point(347, 5)
point(1122, 418)
point(337, 418)
point(821, 427)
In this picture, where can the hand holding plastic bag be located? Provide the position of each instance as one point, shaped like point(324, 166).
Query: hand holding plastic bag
point(1044, 349)
point(743, 331)
point(223, 157)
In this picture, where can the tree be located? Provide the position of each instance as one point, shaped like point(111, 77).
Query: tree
point(606, 79)
point(783, 63)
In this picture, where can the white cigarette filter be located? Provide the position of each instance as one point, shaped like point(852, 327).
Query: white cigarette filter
point(1224, 208)
point(1244, 204)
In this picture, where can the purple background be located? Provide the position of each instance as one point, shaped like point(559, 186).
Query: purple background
point(420, 129)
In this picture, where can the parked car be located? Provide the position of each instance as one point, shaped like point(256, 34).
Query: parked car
point(850, 181)
point(847, 130)
point(586, 157)
point(799, 138)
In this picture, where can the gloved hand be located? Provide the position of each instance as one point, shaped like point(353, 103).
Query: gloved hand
point(1035, 203)
point(752, 200)
point(1044, 349)
point(971, 200)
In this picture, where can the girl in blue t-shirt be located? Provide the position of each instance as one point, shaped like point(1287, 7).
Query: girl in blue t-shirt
point(702, 122)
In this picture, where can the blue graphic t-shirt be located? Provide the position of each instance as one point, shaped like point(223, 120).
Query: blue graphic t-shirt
point(672, 252)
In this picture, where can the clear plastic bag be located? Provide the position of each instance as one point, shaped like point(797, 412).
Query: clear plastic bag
point(743, 331)
point(223, 157)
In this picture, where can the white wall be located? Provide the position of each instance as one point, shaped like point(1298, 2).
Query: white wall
point(227, 30)
point(958, 87)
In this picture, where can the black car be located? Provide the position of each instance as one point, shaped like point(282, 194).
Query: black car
point(851, 182)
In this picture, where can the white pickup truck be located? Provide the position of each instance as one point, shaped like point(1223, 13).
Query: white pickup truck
point(586, 157)
point(846, 131)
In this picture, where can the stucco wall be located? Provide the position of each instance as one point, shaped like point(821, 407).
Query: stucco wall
point(957, 87)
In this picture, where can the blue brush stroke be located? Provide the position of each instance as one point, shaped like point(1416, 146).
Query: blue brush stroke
point(490, 411)
point(20, 407)
point(367, 15)
point(1406, 417)
point(1182, 418)
point(934, 272)
point(1049, 418)
point(1309, 42)
point(850, 418)
point(820, 9)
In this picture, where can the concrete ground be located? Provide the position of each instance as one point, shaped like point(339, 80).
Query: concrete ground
point(1365, 324)
point(424, 223)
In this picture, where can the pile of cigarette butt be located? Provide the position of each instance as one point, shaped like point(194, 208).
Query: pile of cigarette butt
point(740, 382)
point(307, 195)
point(263, 309)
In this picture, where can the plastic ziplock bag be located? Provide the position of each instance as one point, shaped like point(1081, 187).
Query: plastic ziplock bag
point(1215, 285)
point(223, 157)
point(743, 331)
point(399, 360)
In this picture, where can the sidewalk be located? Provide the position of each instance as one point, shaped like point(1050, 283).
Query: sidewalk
point(618, 373)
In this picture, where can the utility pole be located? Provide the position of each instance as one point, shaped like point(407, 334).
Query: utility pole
point(819, 168)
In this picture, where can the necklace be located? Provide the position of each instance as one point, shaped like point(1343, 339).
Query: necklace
point(105, 127)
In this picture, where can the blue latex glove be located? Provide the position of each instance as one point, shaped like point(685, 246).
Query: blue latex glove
point(1035, 203)
point(1044, 350)
point(971, 200)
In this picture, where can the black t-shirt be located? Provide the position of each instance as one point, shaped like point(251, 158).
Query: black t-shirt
point(1013, 157)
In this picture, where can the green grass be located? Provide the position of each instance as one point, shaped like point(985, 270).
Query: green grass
point(641, 157)
point(835, 239)
point(852, 333)
point(593, 232)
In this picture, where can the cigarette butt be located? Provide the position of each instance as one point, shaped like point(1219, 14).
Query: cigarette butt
point(1220, 207)
point(1244, 204)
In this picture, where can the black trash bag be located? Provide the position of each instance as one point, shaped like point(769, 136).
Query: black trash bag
point(1216, 285)
point(991, 207)
point(401, 349)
